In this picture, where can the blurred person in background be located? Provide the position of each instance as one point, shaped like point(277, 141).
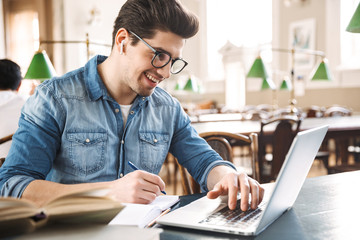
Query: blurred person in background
point(10, 101)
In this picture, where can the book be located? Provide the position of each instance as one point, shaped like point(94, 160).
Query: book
point(92, 206)
point(141, 215)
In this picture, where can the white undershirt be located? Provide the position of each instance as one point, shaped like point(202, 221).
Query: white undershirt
point(125, 109)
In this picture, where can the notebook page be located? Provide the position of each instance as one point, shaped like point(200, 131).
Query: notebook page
point(141, 214)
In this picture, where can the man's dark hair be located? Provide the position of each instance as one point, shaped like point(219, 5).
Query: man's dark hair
point(144, 17)
point(10, 75)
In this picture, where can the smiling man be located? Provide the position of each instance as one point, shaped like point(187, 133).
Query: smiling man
point(80, 130)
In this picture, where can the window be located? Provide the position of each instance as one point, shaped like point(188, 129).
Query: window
point(22, 31)
point(24, 37)
point(25, 21)
point(243, 23)
point(350, 42)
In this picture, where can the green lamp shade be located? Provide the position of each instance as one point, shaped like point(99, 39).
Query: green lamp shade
point(40, 67)
point(267, 84)
point(177, 87)
point(285, 85)
point(354, 24)
point(191, 86)
point(322, 72)
point(257, 70)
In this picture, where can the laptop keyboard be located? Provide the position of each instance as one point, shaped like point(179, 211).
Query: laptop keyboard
point(234, 218)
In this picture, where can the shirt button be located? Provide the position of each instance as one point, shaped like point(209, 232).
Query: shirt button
point(121, 175)
point(87, 140)
point(132, 112)
point(122, 142)
point(117, 110)
point(143, 98)
point(155, 140)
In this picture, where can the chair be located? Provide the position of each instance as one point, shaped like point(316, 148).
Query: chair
point(4, 140)
point(276, 134)
point(315, 111)
point(354, 149)
point(265, 107)
point(337, 111)
point(256, 115)
point(342, 144)
point(223, 143)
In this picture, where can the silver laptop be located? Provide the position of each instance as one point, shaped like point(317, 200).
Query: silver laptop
point(214, 215)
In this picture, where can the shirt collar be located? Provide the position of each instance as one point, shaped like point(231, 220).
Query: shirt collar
point(94, 84)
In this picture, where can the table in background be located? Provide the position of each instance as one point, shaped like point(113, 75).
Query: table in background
point(337, 125)
point(340, 128)
point(326, 208)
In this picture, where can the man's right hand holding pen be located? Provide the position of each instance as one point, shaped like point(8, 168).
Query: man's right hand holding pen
point(137, 187)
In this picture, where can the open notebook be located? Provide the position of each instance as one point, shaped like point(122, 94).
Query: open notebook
point(141, 215)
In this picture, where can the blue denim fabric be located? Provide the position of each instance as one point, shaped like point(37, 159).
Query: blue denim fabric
point(71, 131)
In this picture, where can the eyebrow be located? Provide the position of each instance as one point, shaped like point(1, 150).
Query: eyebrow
point(151, 47)
point(162, 50)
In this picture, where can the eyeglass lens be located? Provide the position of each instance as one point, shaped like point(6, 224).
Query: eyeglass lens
point(177, 66)
point(162, 59)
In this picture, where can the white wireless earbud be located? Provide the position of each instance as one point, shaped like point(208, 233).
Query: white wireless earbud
point(122, 47)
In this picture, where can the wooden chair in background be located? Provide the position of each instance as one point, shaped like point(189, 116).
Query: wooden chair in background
point(222, 143)
point(344, 145)
point(315, 111)
point(275, 138)
point(337, 111)
point(4, 140)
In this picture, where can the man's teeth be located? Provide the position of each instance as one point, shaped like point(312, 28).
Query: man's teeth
point(152, 78)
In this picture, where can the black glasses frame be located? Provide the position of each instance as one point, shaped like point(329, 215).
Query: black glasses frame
point(156, 53)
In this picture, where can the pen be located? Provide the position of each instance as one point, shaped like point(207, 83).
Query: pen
point(136, 168)
point(162, 214)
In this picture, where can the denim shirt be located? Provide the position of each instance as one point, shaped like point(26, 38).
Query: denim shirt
point(71, 131)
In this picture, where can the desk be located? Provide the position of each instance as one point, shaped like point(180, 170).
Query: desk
point(326, 208)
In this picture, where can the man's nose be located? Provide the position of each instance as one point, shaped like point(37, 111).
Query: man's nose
point(165, 71)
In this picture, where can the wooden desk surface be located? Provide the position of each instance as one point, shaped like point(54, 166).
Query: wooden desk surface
point(326, 208)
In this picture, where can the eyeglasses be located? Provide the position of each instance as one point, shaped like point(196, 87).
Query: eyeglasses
point(161, 59)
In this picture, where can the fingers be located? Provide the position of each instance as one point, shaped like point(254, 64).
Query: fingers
point(233, 192)
point(231, 184)
point(137, 187)
point(257, 193)
point(155, 181)
point(254, 194)
point(217, 191)
point(245, 191)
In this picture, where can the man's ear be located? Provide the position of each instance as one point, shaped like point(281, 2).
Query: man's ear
point(19, 85)
point(121, 40)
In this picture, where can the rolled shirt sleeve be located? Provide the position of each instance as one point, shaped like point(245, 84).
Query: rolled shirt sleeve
point(193, 152)
point(34, 144)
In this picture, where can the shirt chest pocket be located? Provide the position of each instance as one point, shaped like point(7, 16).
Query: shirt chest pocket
point(153, 150)
point(86, 152)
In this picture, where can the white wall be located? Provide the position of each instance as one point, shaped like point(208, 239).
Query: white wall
point(344, 89)
point(75, 25)
point(76, 15)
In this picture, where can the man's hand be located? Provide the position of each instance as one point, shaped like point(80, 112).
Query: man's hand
point(232, 183)
point(137, 187)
